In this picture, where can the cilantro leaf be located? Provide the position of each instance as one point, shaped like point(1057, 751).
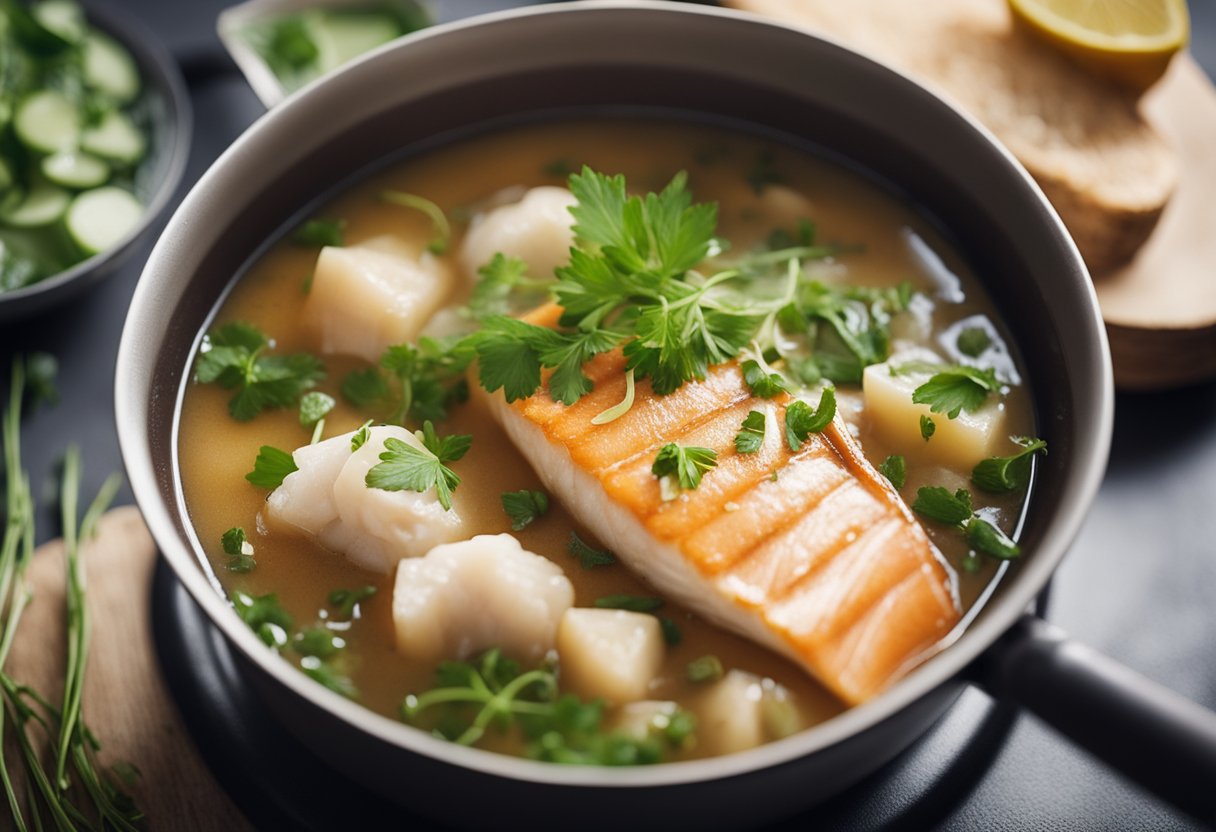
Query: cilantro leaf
point(953, 389)
point(318, 232)
point(973, 341)
point(314, 407)
point(346, 601)
point(895, 469)
point(762, 384)
point(927, 427)
point(750, 437)
point(238, 549)
point(682, 466)
point(231, 356)
point(524, 506)
point(588, 556)
point(1002, 474)
point(987, 538)
point(632, 603)
point(801, 421)
point(404, 466)
point(939, 504)
point(271, 467)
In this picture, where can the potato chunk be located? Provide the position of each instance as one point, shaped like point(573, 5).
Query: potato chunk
point(462, 598)
point(962, 441)
point(368, 297)
point(613, 654)
point(730, 714)
point(536, 229)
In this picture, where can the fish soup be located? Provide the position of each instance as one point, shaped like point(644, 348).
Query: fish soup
point(828, 314)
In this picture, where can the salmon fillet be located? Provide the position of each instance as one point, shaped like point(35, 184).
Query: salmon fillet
point(810, 553)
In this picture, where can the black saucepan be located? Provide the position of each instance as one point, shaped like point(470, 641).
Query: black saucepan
point(692, 63)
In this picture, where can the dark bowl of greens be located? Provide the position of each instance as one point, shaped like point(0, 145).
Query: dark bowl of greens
point(94, 136)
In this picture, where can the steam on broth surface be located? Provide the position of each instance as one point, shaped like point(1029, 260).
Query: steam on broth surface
point(761, 188)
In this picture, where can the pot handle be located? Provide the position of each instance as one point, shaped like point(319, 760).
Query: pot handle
point(1151, 734)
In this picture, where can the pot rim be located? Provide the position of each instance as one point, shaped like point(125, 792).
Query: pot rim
point(1008, 603)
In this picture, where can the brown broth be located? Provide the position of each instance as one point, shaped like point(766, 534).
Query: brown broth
point(216, 451)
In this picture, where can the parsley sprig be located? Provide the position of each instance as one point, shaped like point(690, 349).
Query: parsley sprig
point(951, 389)
point(680, 467)
point(233, 357)
point(524, 506)
point(954, 509)
point(415, 381)
point(404, 466)
point(1002, 474)
point(750, 437)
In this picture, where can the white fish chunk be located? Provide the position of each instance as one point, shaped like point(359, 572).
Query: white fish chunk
point(366, 298)
point(536, 229)
point(329, 499)
point(462, 598)
point(611, 654)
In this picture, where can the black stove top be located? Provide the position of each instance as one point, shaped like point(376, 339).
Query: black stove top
point(1137, 584)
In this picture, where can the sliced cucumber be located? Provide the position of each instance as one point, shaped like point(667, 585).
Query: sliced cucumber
point(47, 121)
point(75, 170)
point(43, 204)
point(63, 17)
point(109, 68)
point(343, 36)
point(102, 217)
point(115, 139)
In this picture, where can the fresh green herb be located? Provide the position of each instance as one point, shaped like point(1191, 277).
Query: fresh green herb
point(620, 408)
point(319, 642)
point(264, 615)
point(801, 421)
point(359, 438)
point(418, 382)
point(671, 631)
point(559, 168)
point(632, 603)
point(314, 407)
point(346, 601)
point(318, 232)
point(524, 506)
point(442, 229)
point(271, 467)
point(704, 669)
point(504, 288)
point(1001, 474)
point(588, 556)
point(573, 735)
point(764, 172)
point(404, 466)
point(320, 671)
point(895, 469)
point(803, 237)
point(927, 427)
point(680, 468)
point(238, 549)
point(973, 341)
point(951, 389)
point(763, 384)
point(232, 357)
point(939, 504)
point(750, 437)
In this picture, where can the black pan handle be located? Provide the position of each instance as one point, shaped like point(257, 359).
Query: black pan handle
point(1154, 736)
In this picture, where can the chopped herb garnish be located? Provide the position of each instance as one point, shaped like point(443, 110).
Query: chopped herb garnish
point(973, 341)
point(632, 603)
point(939, 504)
point(680, 468)
point(671, 631)
point(750, 437)
point(359, 438)
point(1001, 474)
point(705, 669)
point(232, 357)
point(524, 506)
point(442, 229)
point(804, 237)
point(588, 556)
point(763, 384)
point(346, 601)
point(764, 172)
point(801, 421)
point(927, 427)
point(320, 642)
point(417, 382)
point(239, 550)
point(952, 389)
point(558, 168)
point(895, 469)
point(318, 232)
point(264, 615)
point(987, 538)
point(504, 288)
point(314, 407)
point(319, 671)
point(404, 466)
point(271, 467)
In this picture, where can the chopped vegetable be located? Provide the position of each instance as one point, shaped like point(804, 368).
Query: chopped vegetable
point(231, 356)
point(895, 469)
point(405, 467)
point(632, 603)
point(318, 232)
point(239, 550)
point(801, 421)
point(346, 601)
point(1002, 474)
point(750, 437)
point(264, 615)
point(927, 427)
point(973, 341)
point(939, 504)
point(588, 556)
point(705, 669)
point(524, 506)
point(271, 467)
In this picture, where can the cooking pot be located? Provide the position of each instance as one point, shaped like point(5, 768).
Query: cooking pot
point(711, 65)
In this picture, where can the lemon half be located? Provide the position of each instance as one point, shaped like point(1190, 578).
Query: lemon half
point(1129, 41)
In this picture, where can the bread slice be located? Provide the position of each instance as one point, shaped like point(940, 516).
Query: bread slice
point(1105, 169)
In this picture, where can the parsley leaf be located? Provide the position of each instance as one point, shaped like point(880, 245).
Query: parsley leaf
point(588, 556)
point(704, 669)
point(317, 232)
point(504, 288)
point(987, 538)
point(346, 601)
point(524, 506)
point(762, 384)
point(404, 466)
point(231, 356)
point(939, 504)
point(681, 467)
point(973, 341)
point(418, 382)
point(320, 642)
point(927, 427)
point(271, 467)
point(314, 407)
point(801, 421)
point(238, 549)
point(323, 673)
point(895, 469)
point(1001, 474)
point(632, 603)
point(750, 437)
point(264, 615)
point(849, 328)
point(952, 389)
point(359, 438)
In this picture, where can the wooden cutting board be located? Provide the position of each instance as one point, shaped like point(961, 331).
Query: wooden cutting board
point(125, 701)
point(1160, 309)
